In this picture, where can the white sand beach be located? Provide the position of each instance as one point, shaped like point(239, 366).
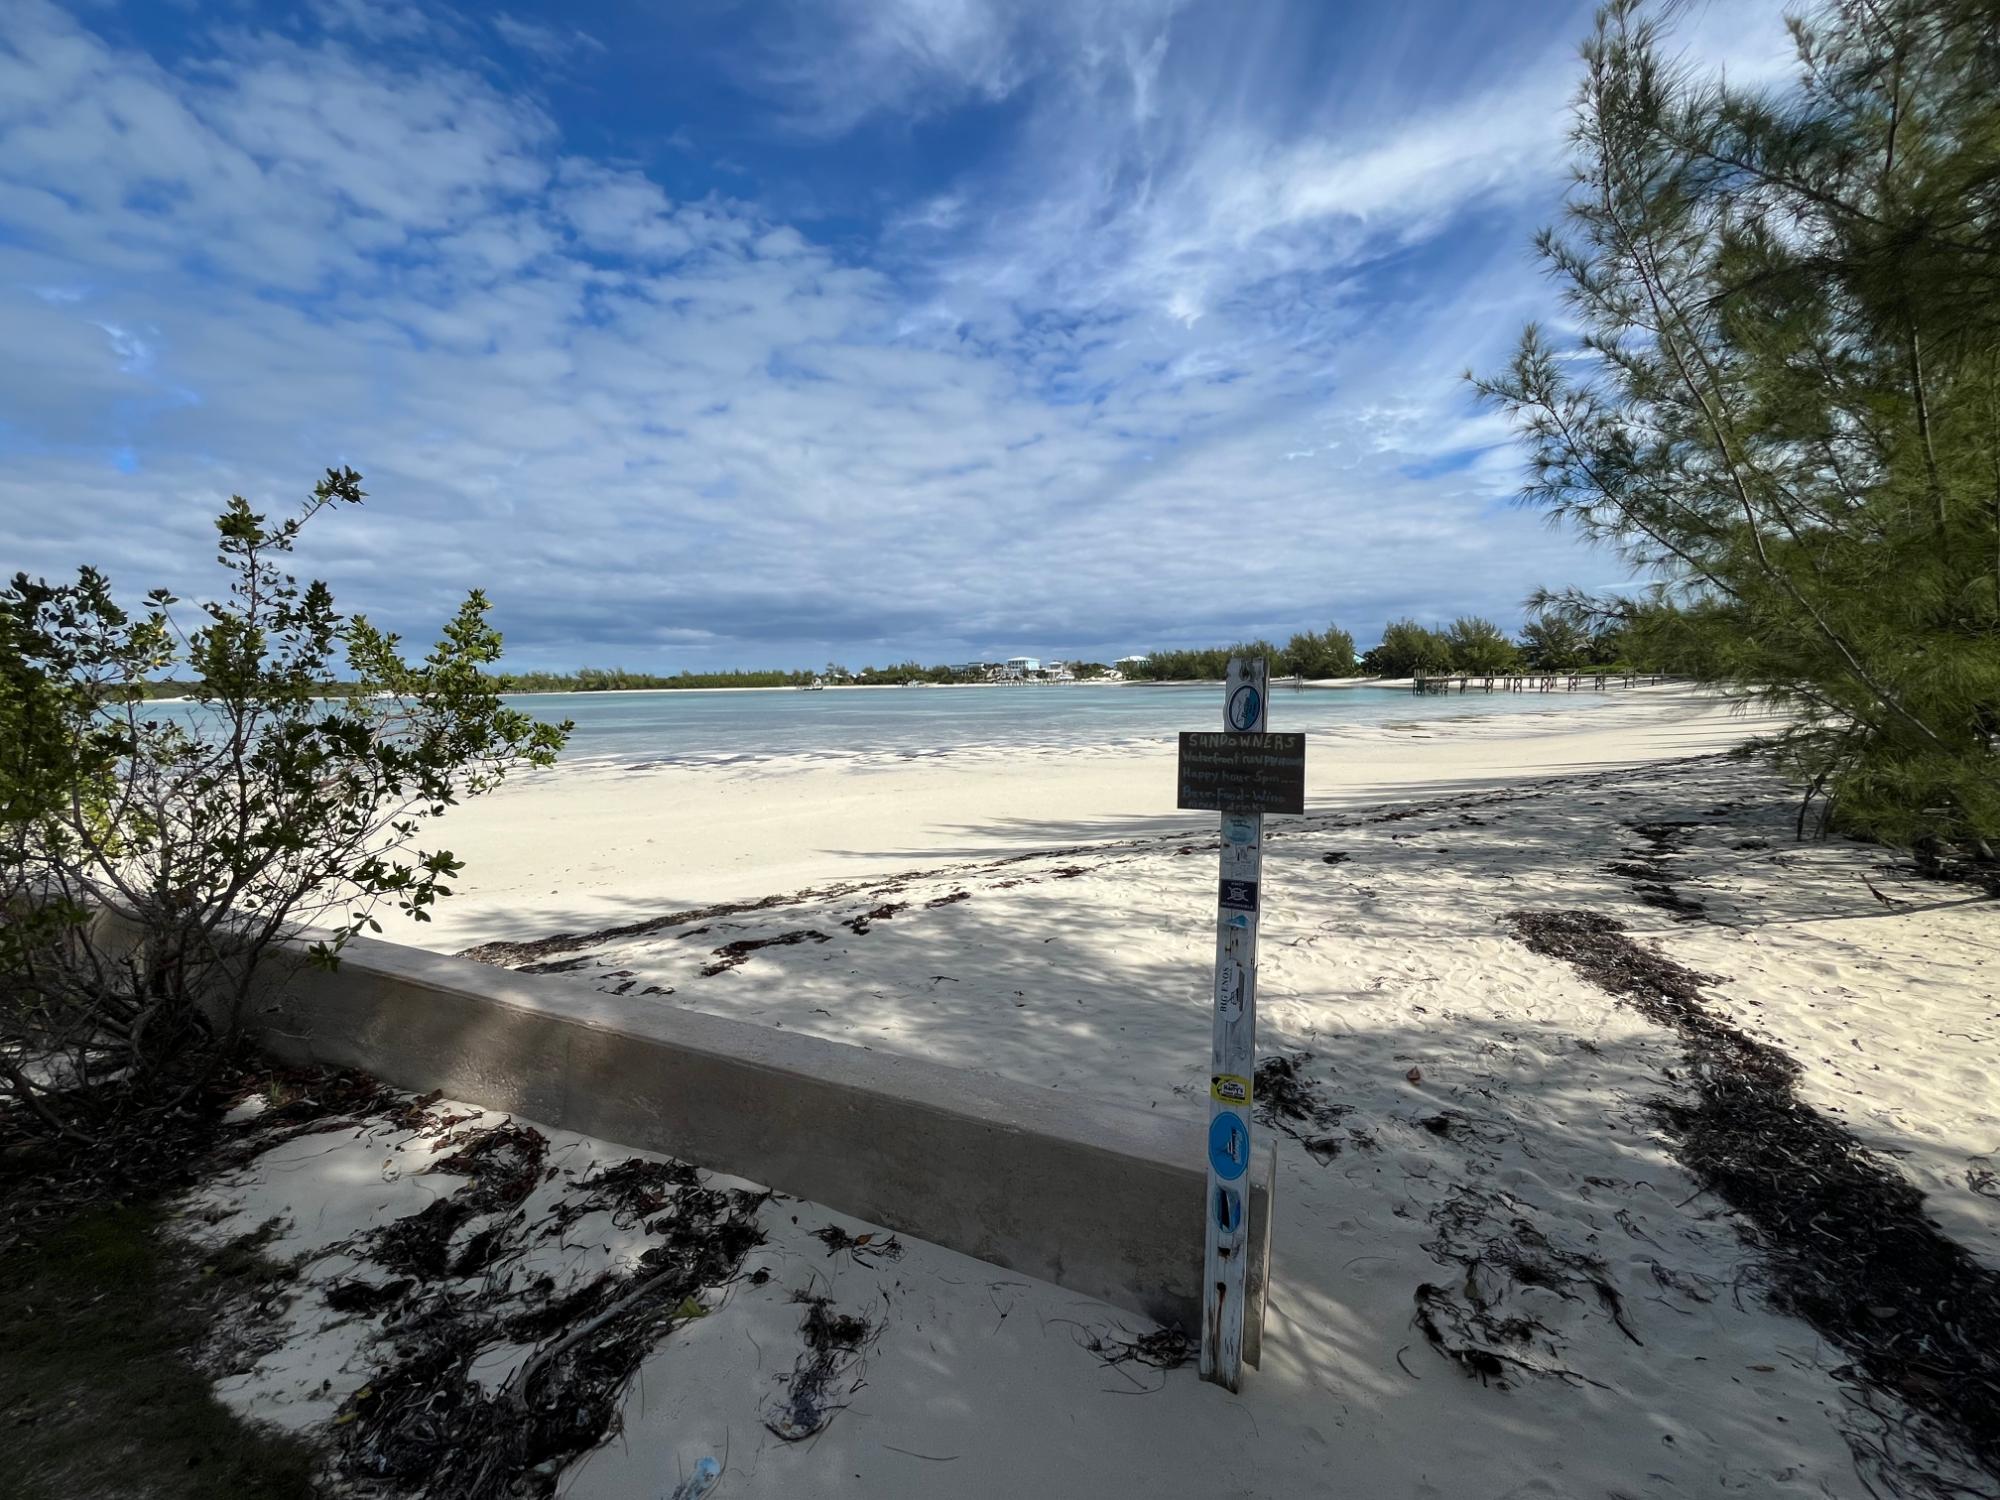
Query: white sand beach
point(593, 845)
point(649, 948)
point(1492, 1274)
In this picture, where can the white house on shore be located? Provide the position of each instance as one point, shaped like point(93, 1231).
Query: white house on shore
point(1021, 667)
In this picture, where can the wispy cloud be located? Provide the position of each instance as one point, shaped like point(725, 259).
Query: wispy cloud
point(552, 44)
point(1192, 277)
point(853, 59)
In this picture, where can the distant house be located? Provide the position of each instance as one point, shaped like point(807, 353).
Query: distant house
point(1019, 667)
point(1131, 661)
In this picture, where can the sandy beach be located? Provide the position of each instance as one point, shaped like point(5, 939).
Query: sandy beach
point(651, 697)
point(1495, 1273)
point(597, 844)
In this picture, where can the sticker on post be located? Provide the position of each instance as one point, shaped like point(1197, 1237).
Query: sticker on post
point(1228, 1210)
point(1228, 1147)
point(1246, 705)
point(1229, 989)
point(1238, 830)
point(1229, 1088)
point(1238, 895)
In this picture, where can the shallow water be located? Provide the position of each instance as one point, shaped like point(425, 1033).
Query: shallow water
point(725, 725)
point(722, 725)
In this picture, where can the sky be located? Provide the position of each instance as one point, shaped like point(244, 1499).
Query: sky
point(712, 334)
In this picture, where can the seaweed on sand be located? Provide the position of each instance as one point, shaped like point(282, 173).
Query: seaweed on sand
point(1498, 1253)
point(1117, 1348)
point(632, 1189)
point(1165, 1348)
point(861, 923)
point(1844, 1237)
point(1653, 879)
point(505, 1165)
point(426, 1419)
point(733, 955)
point(833, 1344)
point(865, 1248)
point(1287, 1100)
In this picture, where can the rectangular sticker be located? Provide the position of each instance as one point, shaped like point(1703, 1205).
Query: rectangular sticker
point(1238, 895)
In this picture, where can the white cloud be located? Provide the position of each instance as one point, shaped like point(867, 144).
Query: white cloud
point(135, 356)
point(856, 59)
point(666, 431)
point(379, 20)
point(905, 55)
point(550, 44)
point(1215, 181)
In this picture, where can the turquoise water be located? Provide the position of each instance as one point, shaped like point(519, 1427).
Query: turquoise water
point(723, 726)
point(916, 722)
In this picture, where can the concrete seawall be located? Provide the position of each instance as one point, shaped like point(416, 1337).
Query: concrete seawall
point(1101, 1199)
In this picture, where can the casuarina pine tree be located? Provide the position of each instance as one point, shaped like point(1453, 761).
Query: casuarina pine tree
point(1782, 398)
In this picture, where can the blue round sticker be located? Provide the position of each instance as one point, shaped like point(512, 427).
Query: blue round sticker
point(1228, 1146)
point(1244, 706)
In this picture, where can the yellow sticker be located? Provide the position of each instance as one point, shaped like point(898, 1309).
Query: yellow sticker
point(1229, 1088)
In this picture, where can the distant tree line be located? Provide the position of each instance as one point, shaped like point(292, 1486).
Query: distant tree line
point(583, 680)
point(914, 671)
point(1328, 653)
point(617, 679)
point(1551, 641)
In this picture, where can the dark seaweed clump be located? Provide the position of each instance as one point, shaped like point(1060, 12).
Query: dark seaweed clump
point(1843, 1233)
point(422, 1420)
point(1287, 1099)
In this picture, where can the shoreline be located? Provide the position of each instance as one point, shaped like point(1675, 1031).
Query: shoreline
point(1547, 717)
point(1311, 684)
point(589, 844)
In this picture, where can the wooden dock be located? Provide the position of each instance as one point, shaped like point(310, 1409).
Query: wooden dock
point(1533, 682)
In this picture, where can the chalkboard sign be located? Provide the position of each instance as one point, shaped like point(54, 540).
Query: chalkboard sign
point(1243, 773)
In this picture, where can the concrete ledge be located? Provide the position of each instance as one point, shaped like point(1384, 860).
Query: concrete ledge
point(1101, 1199)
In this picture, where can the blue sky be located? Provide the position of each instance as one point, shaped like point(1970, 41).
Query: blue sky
point(715, 334)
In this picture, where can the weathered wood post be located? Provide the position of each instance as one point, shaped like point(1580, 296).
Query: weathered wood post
point(1233, 1053)
point(1242, 773)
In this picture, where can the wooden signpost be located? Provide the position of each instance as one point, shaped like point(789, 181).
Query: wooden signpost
point(1241, 773)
